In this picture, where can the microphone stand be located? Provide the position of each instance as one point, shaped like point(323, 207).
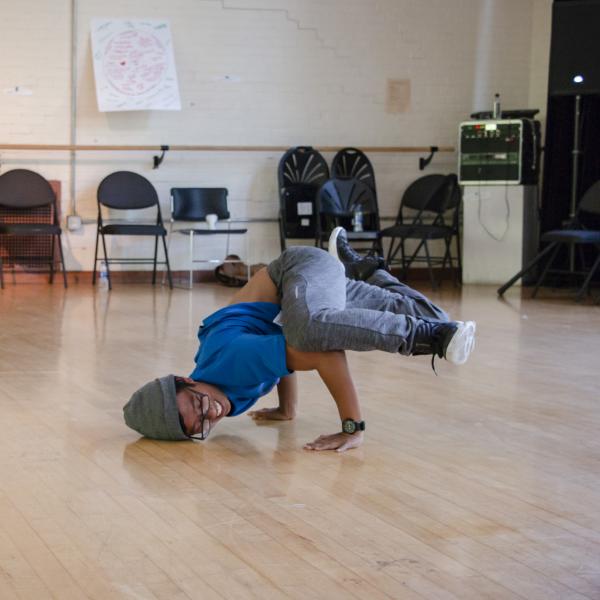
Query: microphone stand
point(576, 153)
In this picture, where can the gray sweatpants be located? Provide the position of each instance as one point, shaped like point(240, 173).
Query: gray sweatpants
point(323, 310)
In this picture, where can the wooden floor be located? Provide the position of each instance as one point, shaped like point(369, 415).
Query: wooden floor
point(482, 482)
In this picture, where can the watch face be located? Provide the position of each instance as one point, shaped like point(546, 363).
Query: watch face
point(348, 426)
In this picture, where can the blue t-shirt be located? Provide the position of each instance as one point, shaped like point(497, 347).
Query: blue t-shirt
point(242, 352)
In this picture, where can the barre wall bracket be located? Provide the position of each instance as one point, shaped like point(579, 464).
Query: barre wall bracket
point(158, 159)
point(423, 162)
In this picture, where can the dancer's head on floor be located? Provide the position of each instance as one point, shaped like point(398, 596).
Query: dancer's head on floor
point(176, 408)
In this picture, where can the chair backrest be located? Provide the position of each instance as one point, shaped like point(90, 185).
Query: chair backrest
point(22, 188)
point(302, 170)
point(127, 191)
point(431, 194)
point(338, 200)
point(352, 162)
point(590, 203)
point(302, 164)
point(193, 204)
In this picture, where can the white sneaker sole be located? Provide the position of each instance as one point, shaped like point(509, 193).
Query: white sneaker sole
point(332, 244)
point(462, 343)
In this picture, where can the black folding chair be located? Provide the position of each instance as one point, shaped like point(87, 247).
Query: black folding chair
point(124, 190)
point(354, 163)
point(301, 172)
point(192, 205)
point(582, 230)
point(24, 190)
point(429, 210)
point(338, 202)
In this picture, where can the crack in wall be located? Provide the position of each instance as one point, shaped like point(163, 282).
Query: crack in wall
point(374, 98)
point(286, 13)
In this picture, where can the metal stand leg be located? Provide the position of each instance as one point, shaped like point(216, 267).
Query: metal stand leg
point(155, 258)
point(168, 249)
point(586, 283)
point(52, 259)
point(248, 266)
point(167, 261)
point(546, 268)
point(191, 259)
point(528, 268)
point(62, 261)
point(576, 153)
point(106, 263)
point(95, 256)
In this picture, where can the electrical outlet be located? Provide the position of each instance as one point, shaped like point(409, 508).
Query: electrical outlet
point(74, 222)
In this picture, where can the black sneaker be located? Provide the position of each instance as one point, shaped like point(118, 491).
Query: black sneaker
point(452, 340)
point(356, 266)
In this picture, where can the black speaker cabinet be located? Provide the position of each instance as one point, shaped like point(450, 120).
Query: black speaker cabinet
point(575, 48)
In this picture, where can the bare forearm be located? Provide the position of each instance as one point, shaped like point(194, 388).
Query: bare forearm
point(287, 390)
point(335, 373)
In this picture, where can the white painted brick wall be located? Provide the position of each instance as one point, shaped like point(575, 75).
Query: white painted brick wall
point(310, 72)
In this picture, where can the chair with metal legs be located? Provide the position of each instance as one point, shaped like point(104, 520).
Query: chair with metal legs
point(24, 190)
point(127, 191)
point(429, 210)
point(192, 205)
point(582, 230)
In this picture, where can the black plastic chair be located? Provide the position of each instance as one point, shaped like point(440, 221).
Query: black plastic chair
point(354, 163)
point(301, 172)
point(192, 205)
point(24, 190)
point(582, 230)
point(337, 203)
point(124, 190)
point(433, 202)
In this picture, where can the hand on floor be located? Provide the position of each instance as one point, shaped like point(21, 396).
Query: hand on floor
point(340, 442)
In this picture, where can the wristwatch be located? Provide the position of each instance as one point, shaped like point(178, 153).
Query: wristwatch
point(351, 426)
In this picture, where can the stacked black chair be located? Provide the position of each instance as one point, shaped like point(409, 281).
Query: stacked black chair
point(429, 210)
point(354, 163)
point(191, 205)
point(582, 230)
point(22, 190)
point(302, 171)
point(127, 191)
point(338, 203)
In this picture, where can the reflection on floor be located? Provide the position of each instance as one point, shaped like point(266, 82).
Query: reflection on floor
point(481, 482)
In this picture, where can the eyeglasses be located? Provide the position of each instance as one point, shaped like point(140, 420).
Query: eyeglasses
point(201, 404)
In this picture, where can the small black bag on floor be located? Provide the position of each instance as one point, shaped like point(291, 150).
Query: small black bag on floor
point(235, 274)
point(232, 274)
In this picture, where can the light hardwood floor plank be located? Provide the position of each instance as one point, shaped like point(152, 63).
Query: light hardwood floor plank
point(480, 483)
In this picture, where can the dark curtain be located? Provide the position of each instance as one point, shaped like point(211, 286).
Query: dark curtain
point(558, 155)
point(558, 169)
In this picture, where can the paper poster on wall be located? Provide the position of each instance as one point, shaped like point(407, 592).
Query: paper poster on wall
point(134, 65)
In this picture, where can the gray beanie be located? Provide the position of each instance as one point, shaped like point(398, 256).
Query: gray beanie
point(152, 410)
